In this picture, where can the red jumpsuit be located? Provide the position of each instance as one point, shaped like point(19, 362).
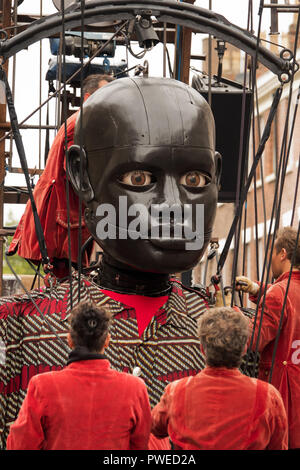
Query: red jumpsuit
point(51, 203)
point(286, 371)
point(86, 406)
point(221, 409)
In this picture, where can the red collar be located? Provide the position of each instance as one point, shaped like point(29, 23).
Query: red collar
point(294, 275)
point(218, 371)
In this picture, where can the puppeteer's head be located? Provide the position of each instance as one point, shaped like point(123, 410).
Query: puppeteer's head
point(147, 172)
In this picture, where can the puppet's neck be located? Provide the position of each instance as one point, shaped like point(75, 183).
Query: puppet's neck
point(121, 278)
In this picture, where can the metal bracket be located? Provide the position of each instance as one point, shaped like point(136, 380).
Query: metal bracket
point(166, 11)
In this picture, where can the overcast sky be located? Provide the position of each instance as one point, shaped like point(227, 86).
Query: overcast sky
point(28, 70)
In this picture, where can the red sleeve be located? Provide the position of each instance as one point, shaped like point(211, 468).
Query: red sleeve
point(142, 416)
point(27, 433)
point(278, 422)
point(269, 319)
point(160, 415)
point(254, 298)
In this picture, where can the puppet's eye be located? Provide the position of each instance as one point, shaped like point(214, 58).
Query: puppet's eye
point(194, 179)
point(136, 178)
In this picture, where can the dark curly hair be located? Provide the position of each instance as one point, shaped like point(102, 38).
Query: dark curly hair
point(89, 326)
point(223, 333)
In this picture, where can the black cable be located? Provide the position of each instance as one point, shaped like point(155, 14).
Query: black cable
point(261, 166)
point(36, 270)
point(65, 152)
point(82, 9)
point(69, 80)
point(64, 345)
point(282, 170)
point(287, 151)
point(256, 228)
point(282, 167)
point(23, 161)
point(124, 71)
point(263, 286)
point(169, 64)
point(249, 22)
point(266, 134)
point(296, 192)
point(241, 177)
point(265, 137)
point(35, 276)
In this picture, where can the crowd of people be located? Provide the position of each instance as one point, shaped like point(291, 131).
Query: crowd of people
point(151, 365)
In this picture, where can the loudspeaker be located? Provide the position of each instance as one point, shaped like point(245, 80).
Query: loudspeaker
point(228, 101)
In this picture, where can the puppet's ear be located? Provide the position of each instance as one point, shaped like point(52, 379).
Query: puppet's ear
point(218, 167)
point(76, 162)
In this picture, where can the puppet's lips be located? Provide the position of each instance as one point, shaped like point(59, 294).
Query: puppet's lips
point(178, 244)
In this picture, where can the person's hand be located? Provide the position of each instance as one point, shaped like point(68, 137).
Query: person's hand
point(244, 284)
point(220, 300)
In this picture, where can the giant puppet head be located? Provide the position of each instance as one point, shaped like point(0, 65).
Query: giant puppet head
point(145, 165)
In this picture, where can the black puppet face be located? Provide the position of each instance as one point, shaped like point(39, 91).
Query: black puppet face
point(149, 172)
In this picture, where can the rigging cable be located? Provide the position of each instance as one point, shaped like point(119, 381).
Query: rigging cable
point(23, 161)
point(277, 194)
point(82, 8)
point(265, 137)
point(288, 111)
point(282, 170)
point(241, 176)
point(65, 152)
point(69, 80)
point(236, 225)
point(296, 192)
point(30, 297)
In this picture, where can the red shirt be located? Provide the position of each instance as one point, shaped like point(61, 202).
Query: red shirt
point(86, 406)
point(145, 307)
point(221, 409)
point(286, 370)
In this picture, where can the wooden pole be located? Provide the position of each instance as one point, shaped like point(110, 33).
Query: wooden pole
point(183, 50)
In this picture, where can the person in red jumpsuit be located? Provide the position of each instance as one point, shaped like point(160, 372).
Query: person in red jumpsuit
point(51, 201)
point(220, 408)
point(107, 410)
point(286, 368)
